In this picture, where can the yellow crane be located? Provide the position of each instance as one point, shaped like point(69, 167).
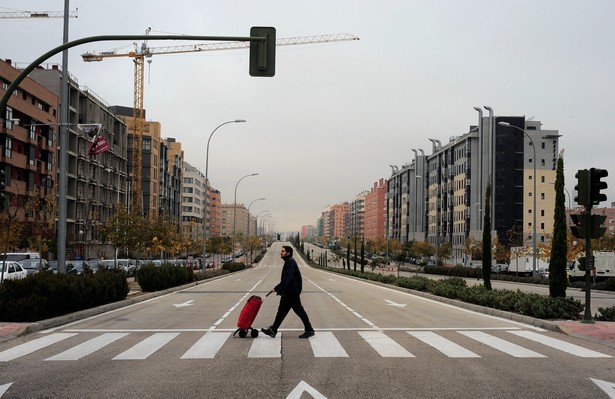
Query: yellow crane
point(143, 51)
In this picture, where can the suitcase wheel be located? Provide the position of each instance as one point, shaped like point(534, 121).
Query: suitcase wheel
point(243, 333)
point(254, 333)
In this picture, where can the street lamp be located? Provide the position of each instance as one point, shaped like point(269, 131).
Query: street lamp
point(235, 211)
point(207, 186)
point(533, 195)
point(248, 227)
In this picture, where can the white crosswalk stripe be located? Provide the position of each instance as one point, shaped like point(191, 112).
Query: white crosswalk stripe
point(207, 346)
point(384, 345)
point(267, 347)
point(33, 346)
point(559, 344)
point(88, 347)
point(449, 348)
point(147, 347)
point(500, 344)
point(325, 344)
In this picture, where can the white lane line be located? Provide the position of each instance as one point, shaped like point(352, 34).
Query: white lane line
point(33, 346)
point(447, 347)
point(348, 308)
point(147, 347)
point(500, 344)
point(207, 346)
point(266, 347)
point(88, 347)
point(324, 344)
point(558, 344)
point(384, 345)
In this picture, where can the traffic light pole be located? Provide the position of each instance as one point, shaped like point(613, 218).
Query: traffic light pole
point(587, 317)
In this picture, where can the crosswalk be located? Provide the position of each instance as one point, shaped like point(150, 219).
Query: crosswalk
point(325, 344)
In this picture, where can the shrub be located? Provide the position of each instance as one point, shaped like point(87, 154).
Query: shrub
point(46, 295)
point(152, 278)
point(233, 266)
point(608, 314)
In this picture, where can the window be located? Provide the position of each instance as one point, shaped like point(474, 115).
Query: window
point(8, 148)
point(542, 196)
point(542, 179)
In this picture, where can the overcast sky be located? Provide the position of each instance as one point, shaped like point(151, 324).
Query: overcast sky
point(336, 115)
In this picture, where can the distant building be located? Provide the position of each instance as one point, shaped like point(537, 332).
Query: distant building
point(375, 211)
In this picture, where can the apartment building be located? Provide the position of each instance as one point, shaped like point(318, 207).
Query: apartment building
point(235, 219)
point(192, 201)
point(357, 215)
point(29, 140)
point(405, 202)
point(171, 179)
point(95, 183)
point(340, 216)
point(457, 174)
point(376, 211)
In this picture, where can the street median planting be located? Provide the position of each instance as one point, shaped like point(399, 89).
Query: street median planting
point(155, 278)
point(45, 295)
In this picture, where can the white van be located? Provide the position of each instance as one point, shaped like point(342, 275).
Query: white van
point(17, 256)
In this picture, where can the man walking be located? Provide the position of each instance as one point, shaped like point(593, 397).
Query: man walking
point(289, 290)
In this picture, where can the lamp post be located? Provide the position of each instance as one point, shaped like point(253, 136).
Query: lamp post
point(207, 187)
point(533, 195)
point(248, 224)
point(235, 212)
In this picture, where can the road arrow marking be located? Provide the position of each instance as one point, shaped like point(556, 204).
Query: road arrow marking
point(305, 387)
point(608, 387)
point(399, 305)
point(182, 305)
point(4, 388)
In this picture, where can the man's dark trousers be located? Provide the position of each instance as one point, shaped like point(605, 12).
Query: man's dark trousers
point(288, 302)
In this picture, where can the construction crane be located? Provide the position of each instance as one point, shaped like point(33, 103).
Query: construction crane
point(143, 51)
point(36, 14)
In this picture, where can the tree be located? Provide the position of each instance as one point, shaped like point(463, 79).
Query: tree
point(445, 251)
point(487, 238)
point(558, 278)
point(423, 249)
point(473, 248)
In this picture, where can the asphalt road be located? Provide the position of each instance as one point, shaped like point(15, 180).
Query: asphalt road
point(371, 342)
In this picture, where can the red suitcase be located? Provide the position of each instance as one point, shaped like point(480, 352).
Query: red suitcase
point(247, 316)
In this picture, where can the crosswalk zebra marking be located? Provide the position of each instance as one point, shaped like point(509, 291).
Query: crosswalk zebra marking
point(384, 345)
point(207, 346)
point(324, 344)
point(88, 347)
point(501, 345)
point(147, 347)
point(559, 344)
point(33, 346)
point(447, 347)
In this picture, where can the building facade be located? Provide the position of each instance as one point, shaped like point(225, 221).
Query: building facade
point(375, 211)
point(95, 183)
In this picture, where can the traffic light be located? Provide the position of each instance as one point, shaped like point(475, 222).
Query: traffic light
point(596, 186)
point(579, 226)
point(2, 188)
point(262, 53)
point(597, 230)
point(582, 187)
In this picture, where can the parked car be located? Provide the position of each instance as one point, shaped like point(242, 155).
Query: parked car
point(81, 267)
point(53, 267)
point(34, 265)
point(12, 271)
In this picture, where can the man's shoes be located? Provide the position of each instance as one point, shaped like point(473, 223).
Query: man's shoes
point(306, 334)
point(269, 331)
